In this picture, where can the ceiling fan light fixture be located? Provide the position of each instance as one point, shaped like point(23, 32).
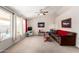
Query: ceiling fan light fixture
point(41, 14)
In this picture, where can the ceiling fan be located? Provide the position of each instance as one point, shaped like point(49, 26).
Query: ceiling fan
point(42, 12)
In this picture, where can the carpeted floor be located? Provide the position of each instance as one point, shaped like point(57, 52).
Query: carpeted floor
point(36, 44)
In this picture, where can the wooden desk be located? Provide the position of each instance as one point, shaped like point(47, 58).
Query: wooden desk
point(41, 32)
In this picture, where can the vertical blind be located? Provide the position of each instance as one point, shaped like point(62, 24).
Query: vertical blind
point(5, 24)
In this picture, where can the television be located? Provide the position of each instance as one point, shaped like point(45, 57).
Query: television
point(29, 28)
point(41, 24)
point(66, 23)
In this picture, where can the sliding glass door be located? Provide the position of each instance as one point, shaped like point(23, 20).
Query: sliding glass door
point(5, 24)
point(24, 26)
point(11, 25)
point(18, 26)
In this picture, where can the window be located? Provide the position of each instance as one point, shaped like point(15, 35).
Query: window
point(24, 27)
point(19, 25)
point(5, 24)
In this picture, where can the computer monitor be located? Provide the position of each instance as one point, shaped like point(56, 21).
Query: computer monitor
point(29, 28)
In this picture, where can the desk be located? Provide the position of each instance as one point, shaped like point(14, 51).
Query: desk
point(41, 32)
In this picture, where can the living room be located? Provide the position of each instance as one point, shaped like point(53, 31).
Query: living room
point(54, 21)
point(39, 29)
point(48, 29)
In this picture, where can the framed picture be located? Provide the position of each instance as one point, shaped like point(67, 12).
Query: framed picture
point(66, 23)
point(41, 24)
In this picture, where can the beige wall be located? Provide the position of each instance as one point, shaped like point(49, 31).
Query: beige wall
point(49, 23)
point(72, 12)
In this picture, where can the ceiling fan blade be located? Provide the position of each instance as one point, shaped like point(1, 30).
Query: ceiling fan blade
point(46, 12)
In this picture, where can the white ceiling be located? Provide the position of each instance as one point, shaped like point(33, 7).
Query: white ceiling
point(30, 11)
